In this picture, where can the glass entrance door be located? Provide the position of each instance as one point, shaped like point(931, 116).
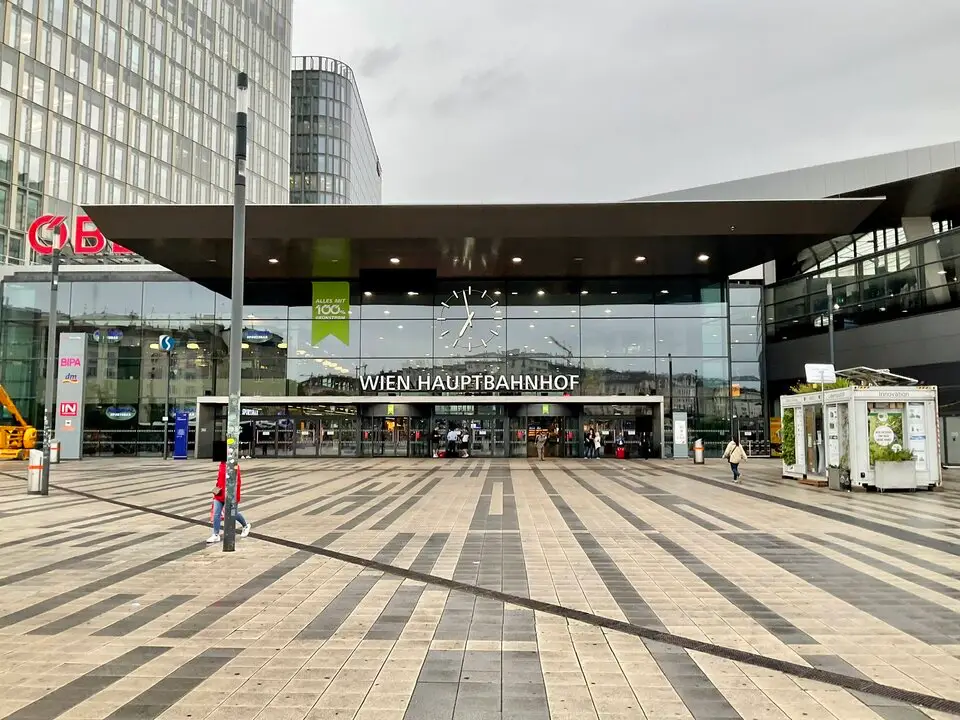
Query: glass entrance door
point(560, 442)
point(385, 437)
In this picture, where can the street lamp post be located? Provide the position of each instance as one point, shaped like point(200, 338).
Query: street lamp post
point(236, 317)
point(830, 318)
point(50, 396)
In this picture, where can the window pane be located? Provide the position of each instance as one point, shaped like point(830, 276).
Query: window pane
point(410, 339)
point(617, 337)
point(693, 337)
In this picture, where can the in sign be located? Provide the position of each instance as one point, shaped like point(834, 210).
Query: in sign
point(69, 409)
point(87, 239)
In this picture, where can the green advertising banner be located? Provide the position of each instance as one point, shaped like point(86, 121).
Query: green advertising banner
point(885, 427)
point(331, 311)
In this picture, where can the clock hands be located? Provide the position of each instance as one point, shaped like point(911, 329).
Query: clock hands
point(467, 324)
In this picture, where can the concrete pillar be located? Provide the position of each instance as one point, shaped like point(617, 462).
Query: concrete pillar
point(934, 281)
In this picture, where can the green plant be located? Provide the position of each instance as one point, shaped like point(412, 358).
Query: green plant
point(788, 438)
point(888, 454)
point(804, 388)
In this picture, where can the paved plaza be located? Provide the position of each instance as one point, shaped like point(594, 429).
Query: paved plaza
point(475, 589)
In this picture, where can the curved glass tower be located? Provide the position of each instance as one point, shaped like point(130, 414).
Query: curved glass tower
point(333, 160)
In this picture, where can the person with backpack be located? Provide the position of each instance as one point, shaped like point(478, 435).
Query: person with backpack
point(219, 497)
point(735, 454)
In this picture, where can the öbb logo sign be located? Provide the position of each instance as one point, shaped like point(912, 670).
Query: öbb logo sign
point(87, 239)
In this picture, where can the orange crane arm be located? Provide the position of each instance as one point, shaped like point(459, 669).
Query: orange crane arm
point(11, 408)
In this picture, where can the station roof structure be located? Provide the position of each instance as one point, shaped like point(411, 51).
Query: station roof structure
point(299, 242)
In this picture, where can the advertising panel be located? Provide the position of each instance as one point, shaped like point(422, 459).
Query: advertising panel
point(71, 378)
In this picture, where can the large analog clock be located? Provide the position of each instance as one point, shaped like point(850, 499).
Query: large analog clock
point(458, 322)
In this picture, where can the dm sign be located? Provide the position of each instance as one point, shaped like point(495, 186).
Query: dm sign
point(331, 311)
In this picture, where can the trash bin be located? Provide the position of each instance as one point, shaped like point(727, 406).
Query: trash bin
point(34, 471)
point(698, 451)
point(54, 452)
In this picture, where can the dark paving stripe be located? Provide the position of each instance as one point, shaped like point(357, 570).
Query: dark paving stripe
point(29, 539)
point(773, 622)
point(950, 548)
point(85, 615)
point(100, 540)
point(907, 557)
point(395, 616)
point(894, 570)
point(677, 642)
point(144, 616)
point(398, 512)
point(909, 613)
point(329, 620)
point(86, 686)
point(879, 705)
point(697, 691)
point(639, 524)
point(152, 702)
point(71, 561)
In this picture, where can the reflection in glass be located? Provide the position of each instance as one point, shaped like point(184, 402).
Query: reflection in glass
point(617, 337)
point(691, 336)
point(559, 337)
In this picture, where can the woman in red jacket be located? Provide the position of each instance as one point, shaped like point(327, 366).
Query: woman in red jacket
point(219, 495)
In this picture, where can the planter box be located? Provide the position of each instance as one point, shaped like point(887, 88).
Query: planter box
point(895, 475)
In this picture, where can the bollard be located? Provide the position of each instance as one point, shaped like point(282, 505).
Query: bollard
point(698, 452)
point(34, 472)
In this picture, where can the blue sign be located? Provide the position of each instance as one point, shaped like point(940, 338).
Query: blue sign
point(120, 413)
point(166, 343)
point(257, 336)
point(112, 335)
point(181, 431)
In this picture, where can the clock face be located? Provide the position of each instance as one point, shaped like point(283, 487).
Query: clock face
point(465, 322)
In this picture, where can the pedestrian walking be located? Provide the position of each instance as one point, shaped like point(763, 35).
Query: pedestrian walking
point(735, 454)
point(541, 443)
point(219, 497)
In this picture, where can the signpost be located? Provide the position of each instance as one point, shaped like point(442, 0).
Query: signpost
point(181, 434)
point(167, 343)
point(825, 374)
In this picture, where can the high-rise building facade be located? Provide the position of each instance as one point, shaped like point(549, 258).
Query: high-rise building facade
point(333, 159)
point(132, 101)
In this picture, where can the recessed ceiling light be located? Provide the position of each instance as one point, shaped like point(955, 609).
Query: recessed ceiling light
point(514, 292)
point(541, 293)
point(517, 260)
point(640, 258)
point(613, 292)
point(367, 293)
point(412, 293)
point(273, 261)
point(664, 292)
point(531, 325)
point(394, 261)
point(608, 311)
point(703, 257)
point(386, 312)
point(399, 327)
point(584, 292)
point(497, 293)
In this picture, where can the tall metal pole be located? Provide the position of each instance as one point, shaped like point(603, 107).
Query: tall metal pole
point(166, 406)
point(236, 318)
point(830, 318)
point(50, 396)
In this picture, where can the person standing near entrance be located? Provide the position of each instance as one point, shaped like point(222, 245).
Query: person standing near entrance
point(542, 437)
point(588, 449)
point(735, 455)
point(219, 497)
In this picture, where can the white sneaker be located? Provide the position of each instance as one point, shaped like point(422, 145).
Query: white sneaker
point(213, 538)
point(246, 530)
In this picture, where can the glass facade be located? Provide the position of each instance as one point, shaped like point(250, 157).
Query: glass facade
point(677, 339)
point(333, 159)
point(132, 101)
point(883, 277)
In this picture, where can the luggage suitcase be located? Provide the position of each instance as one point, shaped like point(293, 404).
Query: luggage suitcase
point(621, 453)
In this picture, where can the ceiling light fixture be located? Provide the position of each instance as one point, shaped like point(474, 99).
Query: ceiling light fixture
point(640, 259)
point(412, 293)
point(613, 292)
point(584, 292)
point(273, 261)
point(541, 293)
point(517, 260)
point(703, 257)
point(394, 261)
point(664, 292)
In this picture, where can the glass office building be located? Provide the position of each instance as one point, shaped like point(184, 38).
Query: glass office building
point(333, 159)
point(635, 351)
point(132, 101)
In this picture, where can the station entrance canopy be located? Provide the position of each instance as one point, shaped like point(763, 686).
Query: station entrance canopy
point(302, 242)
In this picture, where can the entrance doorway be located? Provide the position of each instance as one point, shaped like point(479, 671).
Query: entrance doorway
point(482, 427)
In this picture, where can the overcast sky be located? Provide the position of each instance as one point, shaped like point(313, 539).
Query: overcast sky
point(604, 100)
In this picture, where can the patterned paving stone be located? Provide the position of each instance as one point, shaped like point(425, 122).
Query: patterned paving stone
point(119, 612)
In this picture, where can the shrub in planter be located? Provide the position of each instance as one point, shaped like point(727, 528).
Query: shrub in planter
point(788, 438)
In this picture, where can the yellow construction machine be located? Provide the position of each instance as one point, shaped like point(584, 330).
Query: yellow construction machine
point(16, 441)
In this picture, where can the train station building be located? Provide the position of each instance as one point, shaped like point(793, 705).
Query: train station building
point(372, 330)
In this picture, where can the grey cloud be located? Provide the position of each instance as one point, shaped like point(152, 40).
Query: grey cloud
point(378, 61)
point(613, 99)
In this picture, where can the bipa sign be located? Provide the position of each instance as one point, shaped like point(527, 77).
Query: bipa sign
point(87, 239)
point(70, 362)
point(69, 409)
